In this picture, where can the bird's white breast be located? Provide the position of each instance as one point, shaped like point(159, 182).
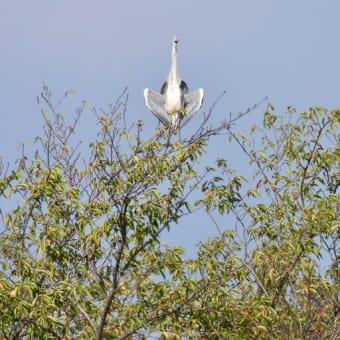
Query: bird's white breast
point(173, 101)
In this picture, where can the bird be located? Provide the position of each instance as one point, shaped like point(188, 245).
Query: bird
point(174, 106)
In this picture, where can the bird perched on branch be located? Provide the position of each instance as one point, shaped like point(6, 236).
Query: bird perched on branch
point(174, 106)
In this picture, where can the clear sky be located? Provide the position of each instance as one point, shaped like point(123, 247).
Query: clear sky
point(286, 50)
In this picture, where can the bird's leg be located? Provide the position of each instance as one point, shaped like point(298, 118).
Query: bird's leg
point(168, 138)
point(181, 115)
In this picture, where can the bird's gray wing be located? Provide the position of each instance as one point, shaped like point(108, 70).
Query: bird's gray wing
point(193, 102)
point(164, 87)
point(184, 87)
point(155, 103)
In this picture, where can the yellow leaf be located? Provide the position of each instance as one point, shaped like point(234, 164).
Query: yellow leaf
point(261, 328)
point(13, 292)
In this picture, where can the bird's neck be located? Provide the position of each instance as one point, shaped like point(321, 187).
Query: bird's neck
point(174, 73)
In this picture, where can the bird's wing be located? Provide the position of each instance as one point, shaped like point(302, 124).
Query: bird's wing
point(155, 103)
point(184, 87)
point(164, 87)
point(193, 103)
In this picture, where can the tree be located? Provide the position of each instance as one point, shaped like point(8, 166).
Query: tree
point(81, 255)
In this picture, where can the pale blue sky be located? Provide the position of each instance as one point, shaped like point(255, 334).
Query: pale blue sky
point(287, 50)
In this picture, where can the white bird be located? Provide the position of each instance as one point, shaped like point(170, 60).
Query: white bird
point(174, 106)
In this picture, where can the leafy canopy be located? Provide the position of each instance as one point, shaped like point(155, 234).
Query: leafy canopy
point(80, 248)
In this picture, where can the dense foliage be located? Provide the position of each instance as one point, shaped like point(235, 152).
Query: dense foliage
point(80, 248)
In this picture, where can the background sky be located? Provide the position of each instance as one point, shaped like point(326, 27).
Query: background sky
point(286, 50)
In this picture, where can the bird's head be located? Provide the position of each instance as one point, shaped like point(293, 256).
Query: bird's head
point(175, 40)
